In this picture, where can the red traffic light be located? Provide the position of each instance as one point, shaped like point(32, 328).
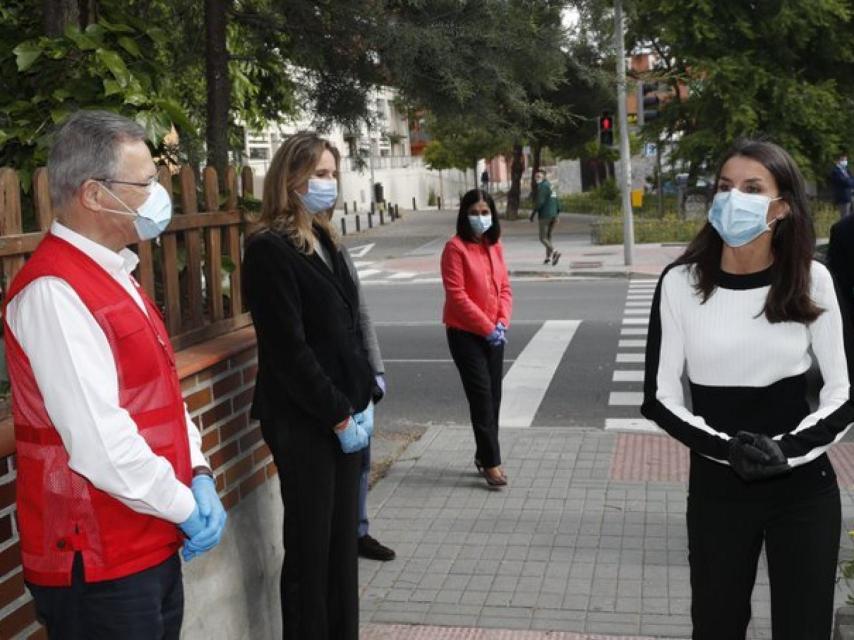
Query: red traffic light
point(606, 123)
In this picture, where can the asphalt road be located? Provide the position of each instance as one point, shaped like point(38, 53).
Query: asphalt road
point(424, 387)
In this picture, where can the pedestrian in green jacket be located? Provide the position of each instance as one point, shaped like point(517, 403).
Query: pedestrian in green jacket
point(546, 209)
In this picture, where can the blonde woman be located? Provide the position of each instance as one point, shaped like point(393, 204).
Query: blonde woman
point(313, 392)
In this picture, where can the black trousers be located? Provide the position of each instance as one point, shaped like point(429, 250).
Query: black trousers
point(801, 535)
point(148, 605)
point(481, 368)
point(320, 492)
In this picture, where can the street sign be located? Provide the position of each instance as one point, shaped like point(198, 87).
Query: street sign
point(649, 150)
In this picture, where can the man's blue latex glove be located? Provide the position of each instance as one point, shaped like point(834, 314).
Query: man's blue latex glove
point(193, 525)
point(213, 514)
point(353, 437)
point(365, 419)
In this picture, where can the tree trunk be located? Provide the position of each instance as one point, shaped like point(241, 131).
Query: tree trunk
point(218, 85)
point(536, 155)
point(58, 14)
point(517, 166)
point(474, 170)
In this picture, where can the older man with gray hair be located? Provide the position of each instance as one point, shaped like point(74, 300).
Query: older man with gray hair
point(111, 481)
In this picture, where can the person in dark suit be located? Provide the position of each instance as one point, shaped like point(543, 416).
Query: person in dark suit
point(841, 181)
point(840, 260)
point(314, 385)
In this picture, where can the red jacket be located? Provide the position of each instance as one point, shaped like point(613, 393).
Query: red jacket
point(59, 511)
point(477, 287)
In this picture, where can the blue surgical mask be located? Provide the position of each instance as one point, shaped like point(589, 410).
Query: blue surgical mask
point(153, 216)
point(321, 195)
point(480, 224)
point(739, 217)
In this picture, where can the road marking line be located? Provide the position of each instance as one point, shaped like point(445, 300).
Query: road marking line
point(402, 275)
point(632, 425)
point(527, 381)
point(636, 320)
point(640, 303)
point(367, 273)
point(630, 331)
point(427, 360)
point(625, 399)
point(639, 297)
point(628, 375)
point(636, 312)
point(361, 250)
point(362, 263)
point(631, 357)
point(628, 344)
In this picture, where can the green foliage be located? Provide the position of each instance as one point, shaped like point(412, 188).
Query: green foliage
point(667, 229)
point(109, 65)
point(782, 70)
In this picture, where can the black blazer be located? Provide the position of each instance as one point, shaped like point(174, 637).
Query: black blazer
point(313, 369)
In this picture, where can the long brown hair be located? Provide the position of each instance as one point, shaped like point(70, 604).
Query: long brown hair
point(792, 240)
point(282, 209)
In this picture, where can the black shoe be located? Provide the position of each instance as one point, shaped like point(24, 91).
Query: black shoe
point(371, 548)
point(555, 257)
point(547, 260)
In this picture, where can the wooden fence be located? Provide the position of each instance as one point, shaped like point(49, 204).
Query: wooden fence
point(192, 271)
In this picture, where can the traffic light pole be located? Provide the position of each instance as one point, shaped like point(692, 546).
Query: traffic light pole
point(625, 154)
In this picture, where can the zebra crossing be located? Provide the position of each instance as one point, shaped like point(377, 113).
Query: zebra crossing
point(626, 395)
point(371, 272)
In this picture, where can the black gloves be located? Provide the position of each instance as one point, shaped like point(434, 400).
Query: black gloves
point(754, 456)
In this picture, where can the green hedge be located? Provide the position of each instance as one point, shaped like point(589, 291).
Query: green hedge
point(673, 229)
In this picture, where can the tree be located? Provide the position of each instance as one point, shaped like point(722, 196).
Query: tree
point(782, 70)
point(476, 62)
point(218, 85)
point(109, 64)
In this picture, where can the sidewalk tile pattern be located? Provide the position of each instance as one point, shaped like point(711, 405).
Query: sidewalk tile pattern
point(649, 458)
point(566, 547)
point(657, 458)
point(403, 632)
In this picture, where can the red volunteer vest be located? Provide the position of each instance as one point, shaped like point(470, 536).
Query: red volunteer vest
point(59, 511)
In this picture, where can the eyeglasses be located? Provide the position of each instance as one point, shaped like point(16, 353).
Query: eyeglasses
point(148, 186)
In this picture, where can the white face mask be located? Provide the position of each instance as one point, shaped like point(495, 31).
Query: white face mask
point(153, 216)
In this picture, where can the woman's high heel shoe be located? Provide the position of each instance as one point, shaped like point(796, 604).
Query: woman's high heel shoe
point(494, 477)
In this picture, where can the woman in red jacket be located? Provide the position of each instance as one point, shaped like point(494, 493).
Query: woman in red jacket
point(478, 302)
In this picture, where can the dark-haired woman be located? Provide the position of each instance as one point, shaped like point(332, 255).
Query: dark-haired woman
point(739, 313)
point(478, 302)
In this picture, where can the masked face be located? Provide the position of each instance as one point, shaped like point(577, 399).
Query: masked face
point(152, 217)
point(321, 195)
point(480, 224)
point(740, 218)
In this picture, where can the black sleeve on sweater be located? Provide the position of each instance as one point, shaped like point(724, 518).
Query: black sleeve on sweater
point(698, 437)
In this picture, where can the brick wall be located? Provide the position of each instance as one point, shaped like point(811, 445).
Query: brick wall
point(217, 378)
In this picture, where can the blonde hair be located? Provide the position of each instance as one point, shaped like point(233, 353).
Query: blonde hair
point(282, 208)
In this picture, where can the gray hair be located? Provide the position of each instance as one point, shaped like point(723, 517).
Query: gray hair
point(87, 147)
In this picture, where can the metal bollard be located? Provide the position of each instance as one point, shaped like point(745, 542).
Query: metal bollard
point(345, 207)
point(382, 219)
point(354, 207)
point(414, 208)
point(358, 224)
point(370, 219)
point(396, 211)
point(438, 202)
point(343, 227)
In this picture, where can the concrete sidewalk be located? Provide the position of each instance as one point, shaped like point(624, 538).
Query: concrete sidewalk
point(589, 538)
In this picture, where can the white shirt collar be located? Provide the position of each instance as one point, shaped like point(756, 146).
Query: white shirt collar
point(112, 262)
